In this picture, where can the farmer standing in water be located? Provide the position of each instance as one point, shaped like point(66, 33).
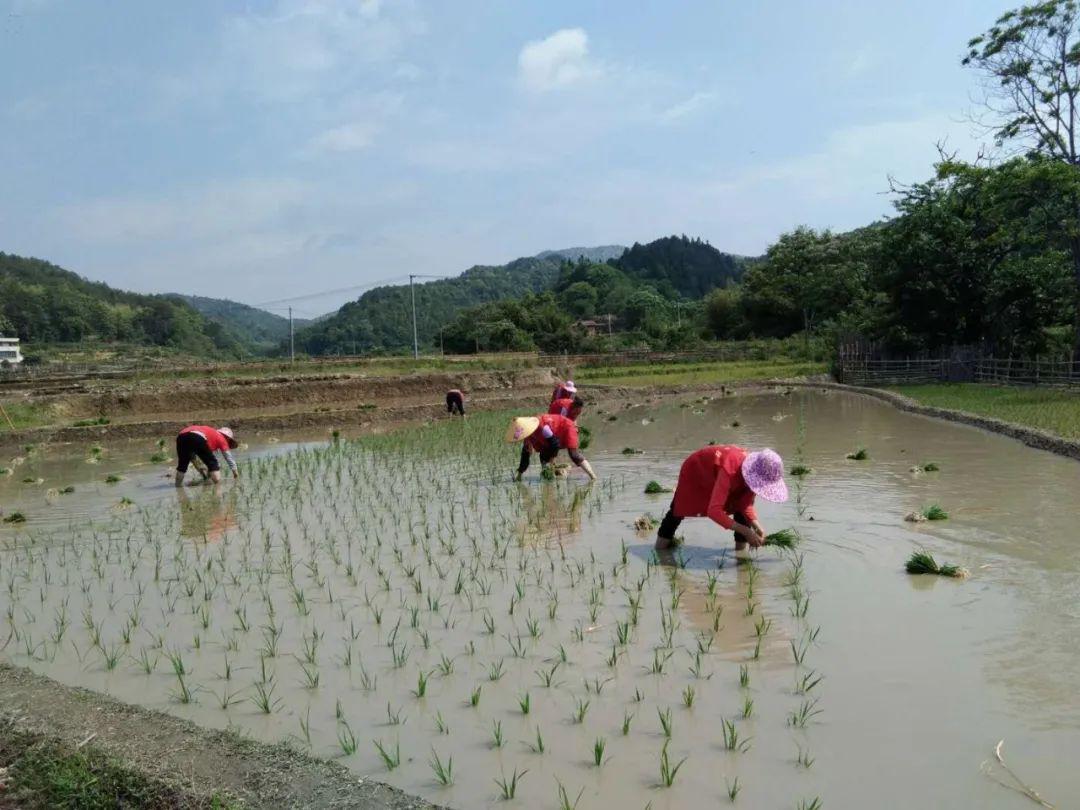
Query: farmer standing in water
point(720, 482)
point(570, 408)
point(200, 441)
point(546, 434)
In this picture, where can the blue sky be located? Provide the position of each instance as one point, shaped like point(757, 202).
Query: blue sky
point(264, 150)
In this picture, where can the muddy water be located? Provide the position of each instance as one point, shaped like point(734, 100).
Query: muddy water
point(920, 676)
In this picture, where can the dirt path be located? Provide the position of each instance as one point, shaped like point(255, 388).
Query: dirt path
point(190, 761)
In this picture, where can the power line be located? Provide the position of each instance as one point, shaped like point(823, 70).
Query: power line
point(309, 296)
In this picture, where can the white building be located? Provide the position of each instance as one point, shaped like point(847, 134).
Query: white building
point(9, 351)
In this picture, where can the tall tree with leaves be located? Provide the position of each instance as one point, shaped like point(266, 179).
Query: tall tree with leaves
point(1031, 59)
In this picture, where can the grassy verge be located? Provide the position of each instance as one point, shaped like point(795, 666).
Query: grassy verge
point(41, 773)
point(698, 373)
point(23, 415)
point(1054, 410)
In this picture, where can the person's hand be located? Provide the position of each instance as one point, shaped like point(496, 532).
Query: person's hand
point(750, 536)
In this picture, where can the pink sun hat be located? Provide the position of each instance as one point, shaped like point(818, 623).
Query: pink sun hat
point(763, 472)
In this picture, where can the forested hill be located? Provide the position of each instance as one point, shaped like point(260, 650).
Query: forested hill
point(381, 319)
point(257, 329)
point(43, 303)
point(678, 266)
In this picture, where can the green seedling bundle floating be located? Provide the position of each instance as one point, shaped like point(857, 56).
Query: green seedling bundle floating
point(922, 562)
point(656, 488)
point(859, 454)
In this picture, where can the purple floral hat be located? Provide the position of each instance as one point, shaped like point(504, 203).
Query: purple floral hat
point(763, 472)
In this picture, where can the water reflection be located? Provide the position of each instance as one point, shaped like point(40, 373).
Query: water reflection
point(207, 515)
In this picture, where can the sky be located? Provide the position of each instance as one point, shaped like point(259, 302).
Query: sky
point(261, 151)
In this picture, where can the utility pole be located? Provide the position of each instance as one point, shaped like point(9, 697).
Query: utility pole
point(416, 341)
point(292, 340)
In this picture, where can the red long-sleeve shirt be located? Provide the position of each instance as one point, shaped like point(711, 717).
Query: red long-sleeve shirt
point(555, 425)
point(711, 485)
point(215, 441)
point(564, 407)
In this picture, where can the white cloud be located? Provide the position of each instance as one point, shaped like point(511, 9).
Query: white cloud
point(560, 60)
point(688, 107)
point(351, 137)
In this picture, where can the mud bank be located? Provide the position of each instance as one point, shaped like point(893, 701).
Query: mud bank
point(180, 763)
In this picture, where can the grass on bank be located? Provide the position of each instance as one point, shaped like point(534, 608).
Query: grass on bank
point(698, 373)
point(1051, 409)
point(43, 774)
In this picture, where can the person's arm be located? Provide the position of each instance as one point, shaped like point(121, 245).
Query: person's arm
point(717, 510)
point(581, 461)
point(231, 462)
point(523, 465)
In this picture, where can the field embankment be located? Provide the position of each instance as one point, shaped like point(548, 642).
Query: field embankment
point(66, 747)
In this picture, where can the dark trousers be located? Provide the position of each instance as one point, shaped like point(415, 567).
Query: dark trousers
point(455, 403)
point(670, 524)
point(189, 445)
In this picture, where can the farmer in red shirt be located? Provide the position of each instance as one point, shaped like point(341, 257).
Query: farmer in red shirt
point(202, 441)
point(570, 408)
point(546, 434)
point(720, 482)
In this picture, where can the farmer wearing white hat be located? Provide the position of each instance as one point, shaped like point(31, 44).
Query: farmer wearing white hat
point(720, 482)
point(201, 442)
point(546, 434)
point(564, 390)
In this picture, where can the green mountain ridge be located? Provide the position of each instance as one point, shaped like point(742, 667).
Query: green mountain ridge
point(257, 329)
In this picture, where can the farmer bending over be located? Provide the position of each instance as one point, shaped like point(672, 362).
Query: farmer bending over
point(720, 482)
point(564, 390)
point(201, 442)
point(455, 401)
point(570, 408)
point(546, 435)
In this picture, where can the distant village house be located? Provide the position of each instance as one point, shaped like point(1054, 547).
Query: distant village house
point(9, 351)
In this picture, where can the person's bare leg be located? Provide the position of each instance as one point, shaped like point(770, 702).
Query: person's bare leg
point(663, 543)
point(215, 476)
point(179, 480)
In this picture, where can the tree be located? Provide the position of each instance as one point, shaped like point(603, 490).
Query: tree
point(724, 312)
point(1031, 58)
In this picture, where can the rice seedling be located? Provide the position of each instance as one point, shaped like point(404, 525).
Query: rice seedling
point(581, 708)
point(421, 684)
point(444, 771)
point(538, 746)
point(930, 466)
point(665, 721)
point(598, 751)
point(393, 718)
point(495, 670)
point(804, 759)
point(656, 488)
point(264, 698)
point(182, 693)
point(627, 720)
point(391, 758)
point(508, 787)
point(688, 697)
point(668, 771)
point(547, 676)
point(811, 804)
point(748, 707)
point(440, 724)
point(785, 538)
point(733, 787)
point(799, 470)
point(859, 454)
point(806, 712)
point(799, 653)
point(474, 697)
point(922, 562)
point(808, 681)
point(744, 676)
point(564, 798)
point(732, 740)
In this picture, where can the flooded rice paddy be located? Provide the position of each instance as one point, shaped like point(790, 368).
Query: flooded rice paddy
point(397, 603)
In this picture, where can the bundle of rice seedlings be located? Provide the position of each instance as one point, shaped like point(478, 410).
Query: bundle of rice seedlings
point(631, 451)
point(15, 517)
point(785, 538)
point(800, 469)
point(547, 473)
point(584, 437)
point(861, 454)
point(922, 562)
point(645, 523)
point(935, 512)
point(930, 466)
point(655, 488)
